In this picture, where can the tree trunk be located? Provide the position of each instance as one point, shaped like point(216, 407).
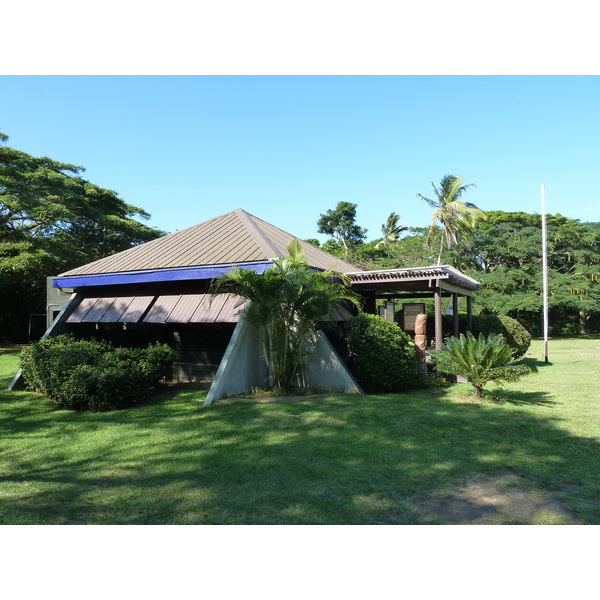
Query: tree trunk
point(343, 240)
point(583, 322)
point(439, 262)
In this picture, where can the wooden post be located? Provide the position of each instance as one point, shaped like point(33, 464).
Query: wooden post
point(470, 314)
point(455, 313)
point(370, 302)
point(437, 294)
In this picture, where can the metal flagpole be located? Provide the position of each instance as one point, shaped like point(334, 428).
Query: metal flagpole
point(545, 272)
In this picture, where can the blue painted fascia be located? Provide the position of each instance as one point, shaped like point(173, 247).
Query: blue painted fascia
point(156, 275)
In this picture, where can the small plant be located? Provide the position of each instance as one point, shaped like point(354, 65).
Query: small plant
point(480, 360)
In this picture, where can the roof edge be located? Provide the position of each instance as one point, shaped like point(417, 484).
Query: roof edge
point(155, 275)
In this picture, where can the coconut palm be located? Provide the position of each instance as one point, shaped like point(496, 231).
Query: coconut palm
point(391, 231)
point(456, 217)
point(288, 303)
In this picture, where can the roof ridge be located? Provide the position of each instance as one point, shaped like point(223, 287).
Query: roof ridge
point(259, 236)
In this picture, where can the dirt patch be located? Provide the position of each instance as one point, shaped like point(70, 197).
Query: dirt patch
point(5, 348)
point(267, 400)
point(502, 499)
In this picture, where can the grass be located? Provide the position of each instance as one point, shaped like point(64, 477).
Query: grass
point(333, 459)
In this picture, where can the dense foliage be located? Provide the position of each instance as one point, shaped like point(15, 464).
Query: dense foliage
point(381, 356)
point(506, 257)
point(92, 375)
point(480, 360)
point(52, 220)
point(340, 223)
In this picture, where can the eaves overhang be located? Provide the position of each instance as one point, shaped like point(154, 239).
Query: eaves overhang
point(414, 278)
point(155, 275)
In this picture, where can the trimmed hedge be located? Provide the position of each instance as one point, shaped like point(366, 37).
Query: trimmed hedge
point(516, 336)
point(381, 356)
point(93, 375)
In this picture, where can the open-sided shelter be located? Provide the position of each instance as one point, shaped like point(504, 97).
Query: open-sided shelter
point(414, 283)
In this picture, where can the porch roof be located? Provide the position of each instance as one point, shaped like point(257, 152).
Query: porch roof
point(414, 279)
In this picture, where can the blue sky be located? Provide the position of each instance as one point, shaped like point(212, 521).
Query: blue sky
point(288, 148)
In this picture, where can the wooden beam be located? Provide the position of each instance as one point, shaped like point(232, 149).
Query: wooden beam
point(370, 305)
point(455, 313)
point(454, 288)
point(438, 318)
point(470, 314)
point(407, 295)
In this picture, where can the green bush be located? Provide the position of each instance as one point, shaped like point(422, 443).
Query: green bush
point(92, 375)
point(381, 356)
point(515, 335)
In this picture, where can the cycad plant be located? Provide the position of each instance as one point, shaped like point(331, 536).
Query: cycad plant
point(288, 303)
point(480, 360)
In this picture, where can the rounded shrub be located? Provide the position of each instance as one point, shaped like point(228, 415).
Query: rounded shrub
point(381, 356)
point(92, 375)
point(515, 335)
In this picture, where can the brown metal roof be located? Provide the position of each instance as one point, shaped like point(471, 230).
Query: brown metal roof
point(176, 308)
point(110, 310)
point(184, 308)
point(233, 238)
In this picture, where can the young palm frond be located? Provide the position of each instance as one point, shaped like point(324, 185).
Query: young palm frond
point(480, 360)
point(391, 231)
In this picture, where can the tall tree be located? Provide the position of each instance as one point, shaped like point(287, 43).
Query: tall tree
point(456, 217)
point(51, 219)
point(340, 223)
point(391, 231)
point(288, 303)
point(506, 257)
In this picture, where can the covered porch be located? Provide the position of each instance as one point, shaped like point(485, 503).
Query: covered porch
point(414, 283)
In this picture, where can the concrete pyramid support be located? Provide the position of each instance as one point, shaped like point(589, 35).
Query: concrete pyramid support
point(243, 367)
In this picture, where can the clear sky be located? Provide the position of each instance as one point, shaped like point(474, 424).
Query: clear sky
point(287, 148)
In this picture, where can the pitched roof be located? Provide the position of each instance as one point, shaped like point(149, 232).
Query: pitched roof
point(233, 238)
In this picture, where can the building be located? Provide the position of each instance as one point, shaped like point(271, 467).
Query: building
point(158, 291)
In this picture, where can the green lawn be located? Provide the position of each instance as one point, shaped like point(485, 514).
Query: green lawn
point(321, 460)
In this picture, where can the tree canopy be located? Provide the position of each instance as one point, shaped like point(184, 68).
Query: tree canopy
point(51, 220)
point(340, 223)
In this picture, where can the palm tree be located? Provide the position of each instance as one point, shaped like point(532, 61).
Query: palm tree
point(288, 303)
point(456, 217)
point(391, 231)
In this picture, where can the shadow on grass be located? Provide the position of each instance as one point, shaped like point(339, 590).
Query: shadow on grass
point(522, 398)
point(534, 364)
point(331, 460)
